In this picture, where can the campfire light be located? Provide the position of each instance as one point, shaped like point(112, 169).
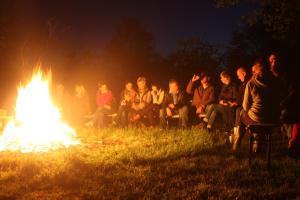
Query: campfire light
point(37, 125)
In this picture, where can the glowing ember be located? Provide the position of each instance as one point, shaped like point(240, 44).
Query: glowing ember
point(37, 126)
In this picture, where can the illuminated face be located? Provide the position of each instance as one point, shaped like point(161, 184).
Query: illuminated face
point(241, 75)
point(256, 69)
point(173, 88)
point(80, 90)
point(141, 85)
point(154, 88)
point(204, 80)
point(224, 80)
point(103, 88)
point(272, 59)
point(129, 86)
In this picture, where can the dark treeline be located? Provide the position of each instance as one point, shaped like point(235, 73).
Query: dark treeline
point(130, 52)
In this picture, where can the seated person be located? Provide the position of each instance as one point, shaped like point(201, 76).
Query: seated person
point(203, 96)
point(142, 104)
point(175, 103)
point(158, 95)
point(104, 101)
point(227, 103)
point(80, 105)
point(261, 104)
point(242, 76)
point(127, 98)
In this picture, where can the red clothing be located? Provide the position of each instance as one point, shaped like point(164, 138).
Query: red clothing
point(104, 99)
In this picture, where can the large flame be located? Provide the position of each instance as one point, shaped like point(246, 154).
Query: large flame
point(37, 126)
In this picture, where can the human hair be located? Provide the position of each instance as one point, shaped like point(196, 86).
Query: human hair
point(171, 81)
point(242, 69)
point(225, 74)
point(141, 79)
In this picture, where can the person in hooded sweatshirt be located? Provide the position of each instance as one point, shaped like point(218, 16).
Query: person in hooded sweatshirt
point(261, 103)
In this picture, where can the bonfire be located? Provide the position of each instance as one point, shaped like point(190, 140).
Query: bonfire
point(37, 125)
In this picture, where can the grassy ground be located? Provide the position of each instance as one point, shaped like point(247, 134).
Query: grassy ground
point(146, 164)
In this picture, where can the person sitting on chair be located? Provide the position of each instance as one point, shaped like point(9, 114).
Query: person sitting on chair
point(261, 104)
point(142, 105)
point(175, 102)
point(127, 99)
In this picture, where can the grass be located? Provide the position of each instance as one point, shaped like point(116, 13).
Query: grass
point(146, 164)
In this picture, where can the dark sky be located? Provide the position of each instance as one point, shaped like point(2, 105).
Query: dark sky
point(91, 23)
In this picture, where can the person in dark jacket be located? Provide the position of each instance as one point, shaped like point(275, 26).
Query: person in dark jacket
point(227, 103)
point(242, 76)
point(261, 104)
point(175, 102)
point(203, 96)
point(142, 106)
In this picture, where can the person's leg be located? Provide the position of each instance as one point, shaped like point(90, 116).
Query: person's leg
point(240, 130)
point(183, 116)
point(208, 110)
point(212, 119)
point(162, 118)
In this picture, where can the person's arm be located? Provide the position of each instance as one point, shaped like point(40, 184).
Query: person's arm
point(161, 97)
point(189, 87)
point(247, 97)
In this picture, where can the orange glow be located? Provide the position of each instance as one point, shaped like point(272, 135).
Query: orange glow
point(37, 126)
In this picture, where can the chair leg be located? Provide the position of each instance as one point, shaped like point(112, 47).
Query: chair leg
point(250, 147)
point(268, 150)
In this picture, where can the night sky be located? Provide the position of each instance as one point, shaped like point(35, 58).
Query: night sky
point(89, 24)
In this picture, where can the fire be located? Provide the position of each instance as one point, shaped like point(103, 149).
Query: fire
point(37, 126)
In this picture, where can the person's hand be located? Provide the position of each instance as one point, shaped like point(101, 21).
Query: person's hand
point(171, 106)
point(134, 107)
point(195, 78)
point(123, 103)
point(108, 107)
point(232, 104)
point(199, 110)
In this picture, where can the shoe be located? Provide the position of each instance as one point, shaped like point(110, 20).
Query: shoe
point(205, 119)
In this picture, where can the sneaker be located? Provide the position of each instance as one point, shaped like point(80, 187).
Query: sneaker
point(205, 119)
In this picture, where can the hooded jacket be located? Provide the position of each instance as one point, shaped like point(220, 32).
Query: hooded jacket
point(262, 99)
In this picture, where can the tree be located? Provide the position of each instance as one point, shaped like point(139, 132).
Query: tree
point(194, 56)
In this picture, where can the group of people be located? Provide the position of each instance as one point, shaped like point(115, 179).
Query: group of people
point(264, 96)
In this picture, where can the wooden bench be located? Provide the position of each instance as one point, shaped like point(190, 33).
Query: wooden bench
point(261, 130)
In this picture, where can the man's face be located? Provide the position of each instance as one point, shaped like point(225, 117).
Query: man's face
point(224, 80)
point(204, 80)
point(272, 59)
point(241, 75)
point(173, 88)
point(256, 69)
point(141, 85)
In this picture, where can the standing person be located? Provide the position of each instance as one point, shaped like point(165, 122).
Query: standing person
point(127, 99)
point(80, 105)
point(104, 101)
point(261, 100)
point(175, 103)
point(142, 104)
point(203, 96)
point(242, 76)
point(226, 106)
point(158, 95)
